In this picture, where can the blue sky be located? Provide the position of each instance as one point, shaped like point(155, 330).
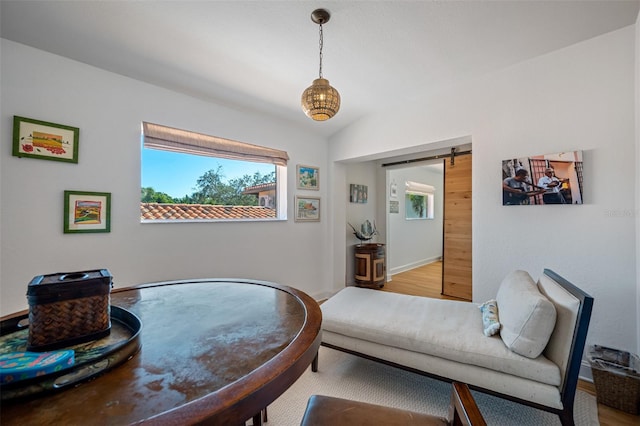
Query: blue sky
point(176, 174)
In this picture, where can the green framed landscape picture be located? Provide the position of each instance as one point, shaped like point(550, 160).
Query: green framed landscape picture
point(87, 212)
point(45, 140)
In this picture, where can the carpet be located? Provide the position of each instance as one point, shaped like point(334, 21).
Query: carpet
point(347, 376)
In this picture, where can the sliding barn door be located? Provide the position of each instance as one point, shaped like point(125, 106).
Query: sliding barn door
point(456, 253)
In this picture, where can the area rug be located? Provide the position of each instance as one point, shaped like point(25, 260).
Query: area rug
point(347, 376)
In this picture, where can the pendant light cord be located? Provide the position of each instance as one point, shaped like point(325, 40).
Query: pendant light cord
point(320, 50)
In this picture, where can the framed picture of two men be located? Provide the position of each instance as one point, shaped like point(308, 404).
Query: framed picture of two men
point(543, 179)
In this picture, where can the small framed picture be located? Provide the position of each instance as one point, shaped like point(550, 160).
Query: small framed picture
point(358, 193)
point(86, 212)
point(44, 140)
point(307, 209)
point(308, 177)
point(393, 191)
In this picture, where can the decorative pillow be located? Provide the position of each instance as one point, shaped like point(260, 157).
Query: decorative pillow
point(490, 321)
point(526, 315)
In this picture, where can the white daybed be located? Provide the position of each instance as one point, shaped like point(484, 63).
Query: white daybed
point(534, 360)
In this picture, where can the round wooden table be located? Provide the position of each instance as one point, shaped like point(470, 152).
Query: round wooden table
point(214, 351)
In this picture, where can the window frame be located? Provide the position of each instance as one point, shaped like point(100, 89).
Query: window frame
point(428, 202)
point(159, 137)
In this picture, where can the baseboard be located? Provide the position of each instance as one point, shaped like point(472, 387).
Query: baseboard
point(324, 295)
point(319, 297)
point(585, 372)
point(412, 265)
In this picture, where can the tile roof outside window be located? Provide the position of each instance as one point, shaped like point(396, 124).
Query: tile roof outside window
point(256, 189)
point(157, 211)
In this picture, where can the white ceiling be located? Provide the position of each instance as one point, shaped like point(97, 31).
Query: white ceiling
point(261, 55)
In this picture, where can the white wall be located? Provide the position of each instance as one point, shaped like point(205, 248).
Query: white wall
point(412, 243)
point(357, 213)
point(108, 109)
point(578, 98)
point(637, 192)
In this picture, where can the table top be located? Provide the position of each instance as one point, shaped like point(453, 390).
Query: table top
point(214, 350)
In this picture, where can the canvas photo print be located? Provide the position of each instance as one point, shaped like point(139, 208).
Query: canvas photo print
point(543, 179)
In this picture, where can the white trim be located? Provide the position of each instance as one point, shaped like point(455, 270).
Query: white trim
point(418, 188)
point(412, 265)
point(585, 372)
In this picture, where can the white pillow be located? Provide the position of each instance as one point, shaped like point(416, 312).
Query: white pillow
point(526, 315)
point(490, 321)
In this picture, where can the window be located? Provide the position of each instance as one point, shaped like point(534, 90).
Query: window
point(189, 177)
point(419, 199)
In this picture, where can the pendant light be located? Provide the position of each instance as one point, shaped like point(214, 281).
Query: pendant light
point(320, 101)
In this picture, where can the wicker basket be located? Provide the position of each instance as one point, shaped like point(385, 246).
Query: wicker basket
point(68, 308)
point(616, 375)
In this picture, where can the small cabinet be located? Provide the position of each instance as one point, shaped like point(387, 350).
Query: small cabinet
point(370, 265)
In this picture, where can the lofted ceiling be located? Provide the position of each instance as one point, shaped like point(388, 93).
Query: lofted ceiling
point(260, 55)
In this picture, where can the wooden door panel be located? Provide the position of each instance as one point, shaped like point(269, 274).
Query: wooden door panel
point(457, 226)
point(460, 196)
point(460, 215)
point(458, 247)
point(456, 253)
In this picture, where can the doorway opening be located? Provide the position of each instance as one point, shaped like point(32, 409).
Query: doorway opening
point(372, 171)
point(418, 243)
point(415, 232)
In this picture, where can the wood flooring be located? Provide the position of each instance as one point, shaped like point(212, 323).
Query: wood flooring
point(422, 281)
point(427, 281)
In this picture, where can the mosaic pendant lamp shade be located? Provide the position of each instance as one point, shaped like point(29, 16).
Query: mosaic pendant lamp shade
point(320, 101)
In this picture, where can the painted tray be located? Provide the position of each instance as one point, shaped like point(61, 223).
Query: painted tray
point(91, 358)
point(18, 366)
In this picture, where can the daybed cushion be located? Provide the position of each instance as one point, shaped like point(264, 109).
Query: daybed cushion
point(447, 329)
point(526, 315)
